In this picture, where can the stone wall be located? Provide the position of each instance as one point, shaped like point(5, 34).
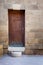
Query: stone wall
point(33, 23)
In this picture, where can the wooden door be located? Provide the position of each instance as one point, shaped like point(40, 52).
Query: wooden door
point(16, 26)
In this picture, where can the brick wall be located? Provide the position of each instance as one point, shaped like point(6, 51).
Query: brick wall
point(33, 24)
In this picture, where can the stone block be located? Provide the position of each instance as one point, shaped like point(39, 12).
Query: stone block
point(1, 46)
point(28, 52)
point(32, 41)
point(5, 45)
point(31, 34)
point(5, 51)
point(1, 50)
point(38, 52)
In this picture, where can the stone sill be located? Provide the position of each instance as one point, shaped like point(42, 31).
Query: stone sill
point(18, 49)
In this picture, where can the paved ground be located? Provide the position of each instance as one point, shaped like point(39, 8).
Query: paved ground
point(23, 60)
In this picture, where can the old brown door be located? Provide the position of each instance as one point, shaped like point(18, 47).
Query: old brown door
point(16, 26)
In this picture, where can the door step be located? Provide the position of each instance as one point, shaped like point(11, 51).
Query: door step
point(16, 51)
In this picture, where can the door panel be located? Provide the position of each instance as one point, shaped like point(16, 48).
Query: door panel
point(16, 26)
